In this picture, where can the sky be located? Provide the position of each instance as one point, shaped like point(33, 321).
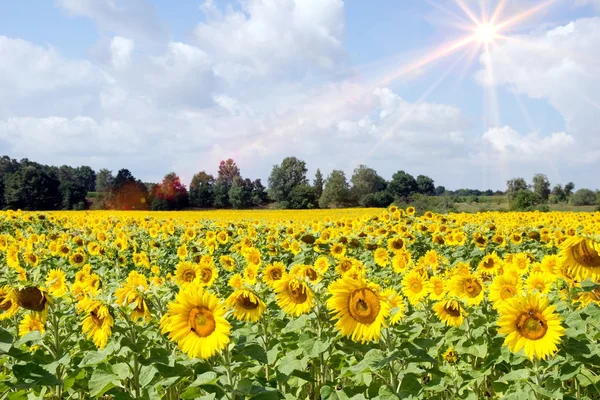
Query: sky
point(469, 92)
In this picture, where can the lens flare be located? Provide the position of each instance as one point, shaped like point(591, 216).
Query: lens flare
point(486, 33)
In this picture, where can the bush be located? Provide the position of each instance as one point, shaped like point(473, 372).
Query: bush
point(583, 197)
point(302, 197)
point(378, 199)
point(423, 203)
point(525, 199)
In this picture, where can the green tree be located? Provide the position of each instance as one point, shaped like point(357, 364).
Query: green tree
point(318, 184)
point(228, 172)
point(202, 190)
point(336, 191)
point(514, 186)
point(541, 186)
point(403, 185)
point(73, 187)
point(285, 177)
point(104, 180)
point(440, 190)
point(32, 187)
point(302, 197)
point(425, 185)
point(220, 195)
point(558, 192)
point(86, 177)
point(583, 197)
point(569, 187)
point(525, 199)
point(366, 181)
point(378, 199)
point(259, 193)
point(240, 193)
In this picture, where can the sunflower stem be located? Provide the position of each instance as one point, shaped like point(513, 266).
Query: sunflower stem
point(390, 347)
point(265, 326)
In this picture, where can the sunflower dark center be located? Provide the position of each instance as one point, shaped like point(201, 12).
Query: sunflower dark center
point(247, 301)
point(452, 309)
point(202, 321)
point(189, 275)
point(364, 306)
point(507, 292)
point(472, 287)
point(586, 256)
point(532, 325)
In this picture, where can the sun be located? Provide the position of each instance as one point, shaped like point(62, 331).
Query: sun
point(486, 33)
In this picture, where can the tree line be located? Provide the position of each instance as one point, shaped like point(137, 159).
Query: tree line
point(29, 185)
point(523, 196)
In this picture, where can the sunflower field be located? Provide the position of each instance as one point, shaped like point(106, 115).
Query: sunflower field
point(323, 304)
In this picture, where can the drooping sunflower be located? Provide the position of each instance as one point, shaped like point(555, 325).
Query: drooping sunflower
point(415, 287)
point(246, 305)
point(395, 244)
point(56, 282)
point(273, 272)
point(450, 312)
point(503, 288)
point(450, 355)
point(8, 303)
point(467, 287)
point(359, 307)
point(397, 306)
point(306, 271)
point(196, 322)
point(530, 323)
point(293, 295)
point(132, 293)
point(33, 298)
point(581, 256)
point(97, 321)
point(30, 323)
point(490, 264)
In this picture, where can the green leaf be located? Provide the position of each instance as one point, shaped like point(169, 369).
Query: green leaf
point(207, 378)
point(266, 395)
point(32, 373)
point(517, 375)
point(147, 372)
point(296, 324)
point(568, 371)
point(588, 285)
point(102, 381)
point(6, 340)
point(272, 354)
point(122, 371)
point(329, 393)
point(255, 352)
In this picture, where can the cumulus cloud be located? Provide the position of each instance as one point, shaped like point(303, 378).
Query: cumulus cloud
point(120, 50)
point(532, 147)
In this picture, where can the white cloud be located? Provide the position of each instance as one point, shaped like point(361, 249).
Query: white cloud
point(132, 18)
point(532, 147)
point(120, 50)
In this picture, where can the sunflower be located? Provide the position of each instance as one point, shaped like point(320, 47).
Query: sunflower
point(30, 323)
point(293, 295)
point(77, 259)
point(397, 307)
point(33, 298)
point(132, 294)
point(581, 257)
point(272, 273)
point(539, 281)
point(551, 264)
point(415, 287)
point(381, 257)
point(97, 322)
point(395, 244)
point(8, 303)
point(530, 323)
point(207, 274)
point(338, 251)
point(503, 288)
point(344, 265)
point(56, 283)
point(450, 312)
point(438, 288)
point(196, 322)
point(450, 355)
point(251, 274)
point(359, 307)
point(521, 262)
point(186, 272)
point(31, 258)
point(467, 287)
point(322, 264)
point(236, 281)
point(490, 264)
point(306, 271)
point(246, 305)
point(401, 261)
point(227, 262)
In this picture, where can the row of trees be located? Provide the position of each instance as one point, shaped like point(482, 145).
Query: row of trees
point(522, 195)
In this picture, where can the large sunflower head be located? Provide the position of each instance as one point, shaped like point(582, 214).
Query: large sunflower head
point(581, 256)
point(293, 295)
point(530, 323)
point(196, 322)
point(450, 312)
point(359, 307)
point(468, 287)
point(246, 305)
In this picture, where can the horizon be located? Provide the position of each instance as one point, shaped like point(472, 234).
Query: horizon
point(470, 96)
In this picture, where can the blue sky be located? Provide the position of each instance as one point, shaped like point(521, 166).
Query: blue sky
point(157, 86)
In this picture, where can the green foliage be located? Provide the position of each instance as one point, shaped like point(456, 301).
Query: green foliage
point(423, 203)
point(302, 197)
point(240, 194)
point(318, 184)
point(425, 185)
point(336, 192)
point(32, 187)
point(285, 177)
point(366, 181)
point(514, 186)
point(104, 180)
point(220, 195)
point(524, 200)
point(170, 194)
point(541, 187)
point(201, 190)
point(583, 197)
point(379, 199)
point(403, 185)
